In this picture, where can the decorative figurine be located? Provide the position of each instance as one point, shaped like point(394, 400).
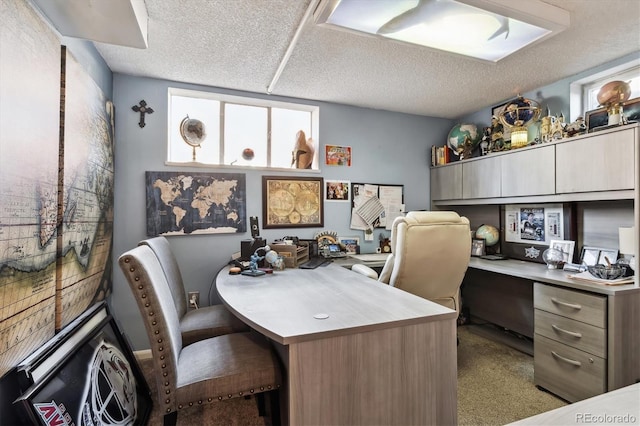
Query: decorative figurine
point(302, 155)
point(497, 132)
point(578, 127)
point(486, 141)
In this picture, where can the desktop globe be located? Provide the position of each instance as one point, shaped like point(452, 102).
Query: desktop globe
point(463, 138)
point(489, 234)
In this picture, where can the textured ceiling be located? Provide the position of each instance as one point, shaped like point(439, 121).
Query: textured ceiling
point(239, 44)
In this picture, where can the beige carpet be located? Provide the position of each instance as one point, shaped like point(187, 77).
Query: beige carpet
point(495, 387)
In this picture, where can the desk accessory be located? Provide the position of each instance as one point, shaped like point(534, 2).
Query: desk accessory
point(270, 256)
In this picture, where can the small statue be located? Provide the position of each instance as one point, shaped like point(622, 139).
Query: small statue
point(497, 135)
point(302, 155)
point(485, 144)
point(576, 128)
point(557, 127)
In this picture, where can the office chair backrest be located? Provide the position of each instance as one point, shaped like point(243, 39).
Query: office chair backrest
point(169, 264)
point(431, 252)
point(151, 291)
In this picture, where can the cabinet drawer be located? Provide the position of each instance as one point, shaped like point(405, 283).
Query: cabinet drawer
point(573, 333)
point(567, 372)
point(584, 307)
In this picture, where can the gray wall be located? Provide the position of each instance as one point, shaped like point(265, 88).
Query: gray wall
point(388, 148)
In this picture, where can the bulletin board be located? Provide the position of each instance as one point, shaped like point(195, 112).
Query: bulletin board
point(375, 205)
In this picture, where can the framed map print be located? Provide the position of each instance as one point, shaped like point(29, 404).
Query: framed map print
point(292, 202)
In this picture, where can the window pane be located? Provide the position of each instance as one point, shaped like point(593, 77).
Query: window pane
point(245, 127)
point(285, 124)
point(205, 110)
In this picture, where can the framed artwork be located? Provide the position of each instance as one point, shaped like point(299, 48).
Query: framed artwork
point(337, 155)
point(337, 190)
point(631, 109)
point(292, 202)
point(506, 130)
point(566, 247)
point(352, 244)
point(477, 247)
point(596, 118)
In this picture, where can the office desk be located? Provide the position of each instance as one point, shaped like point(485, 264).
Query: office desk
point(373, 260)
point(383, 356)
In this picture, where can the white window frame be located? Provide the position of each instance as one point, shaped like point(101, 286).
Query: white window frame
point(578, 90)
point(241, 100)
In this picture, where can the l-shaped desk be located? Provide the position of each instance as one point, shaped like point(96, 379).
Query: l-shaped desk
point(355, 351)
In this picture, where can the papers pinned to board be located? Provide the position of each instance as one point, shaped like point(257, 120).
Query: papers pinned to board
point(375, 206)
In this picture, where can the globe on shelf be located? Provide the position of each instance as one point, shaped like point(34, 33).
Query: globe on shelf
point(520, 112)
point(489, 233)
point(193, 133)
point(463, 138)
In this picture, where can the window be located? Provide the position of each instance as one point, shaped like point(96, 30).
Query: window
point(584, 92)
point(590, 90)
point(239, 131)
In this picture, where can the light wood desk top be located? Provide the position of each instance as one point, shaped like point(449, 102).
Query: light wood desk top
point(621, 404)
point(539, 272)
point(282, 305)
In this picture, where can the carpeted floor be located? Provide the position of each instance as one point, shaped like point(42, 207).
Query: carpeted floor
point(495, 387)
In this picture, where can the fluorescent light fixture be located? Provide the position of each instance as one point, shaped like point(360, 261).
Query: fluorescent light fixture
point(485, 29)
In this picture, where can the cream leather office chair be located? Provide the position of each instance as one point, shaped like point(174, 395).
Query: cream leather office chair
point(430, 255)
point(206, 371)
point(195, 324)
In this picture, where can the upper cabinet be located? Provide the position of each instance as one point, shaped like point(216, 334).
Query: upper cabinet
point(600, 165)
point(603, 163)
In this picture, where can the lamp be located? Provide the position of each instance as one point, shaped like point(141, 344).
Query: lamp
point(484, 29)
point(518, 114)
point(269, 255)
point(627, 240)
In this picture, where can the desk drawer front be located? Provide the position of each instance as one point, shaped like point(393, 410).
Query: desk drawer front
point(584, 307)
point(573, 333)
point(569, 373)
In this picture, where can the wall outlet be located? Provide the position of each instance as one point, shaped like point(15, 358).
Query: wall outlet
point(194, 299)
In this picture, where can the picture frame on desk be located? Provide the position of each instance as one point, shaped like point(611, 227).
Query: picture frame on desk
point(352, 244)
point(478, 247)
point(566, 247)
point(292, 202)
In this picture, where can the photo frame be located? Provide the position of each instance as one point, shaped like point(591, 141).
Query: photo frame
point(596, 118)
point(478, 247)
point(590, 255)
point(566, 247)
point(611, 254)
point(352, 244)
point(496, 111)
point(337, 190)
point(292, 202)
point(335, 155)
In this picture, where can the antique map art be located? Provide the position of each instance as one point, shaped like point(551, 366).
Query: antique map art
point(56, 197)
point(182, 203)
point(292, 202)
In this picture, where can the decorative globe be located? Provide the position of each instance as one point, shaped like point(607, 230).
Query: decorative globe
point(520, 112)
point(463, 138)
point(553, 257)
point(489, 233)
point(614, 92)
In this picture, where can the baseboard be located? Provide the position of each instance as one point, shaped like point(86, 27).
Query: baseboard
point(144, 354)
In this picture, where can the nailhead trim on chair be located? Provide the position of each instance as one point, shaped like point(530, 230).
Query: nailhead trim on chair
point(229, 396)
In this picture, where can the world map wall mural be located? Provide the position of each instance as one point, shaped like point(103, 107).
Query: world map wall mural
point(56, 192)
point(182, 203)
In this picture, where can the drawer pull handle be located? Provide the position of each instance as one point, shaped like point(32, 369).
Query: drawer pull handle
point(567, 360)
point(570, 333)
point(569, 305)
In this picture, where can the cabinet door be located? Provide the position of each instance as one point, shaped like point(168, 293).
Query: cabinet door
point(481, 178)
point(529, 172)
point(599, 163)
point(446, 182)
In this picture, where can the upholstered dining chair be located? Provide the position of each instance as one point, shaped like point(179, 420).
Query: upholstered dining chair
point(430, 252)
point(209, 370)
point(195, 324)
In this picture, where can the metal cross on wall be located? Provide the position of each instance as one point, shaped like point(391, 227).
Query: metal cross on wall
point(142, 109)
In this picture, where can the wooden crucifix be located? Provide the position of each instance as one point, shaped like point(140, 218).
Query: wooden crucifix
point(142, 109)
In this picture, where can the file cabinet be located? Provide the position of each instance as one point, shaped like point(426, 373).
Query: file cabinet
point(570, 342)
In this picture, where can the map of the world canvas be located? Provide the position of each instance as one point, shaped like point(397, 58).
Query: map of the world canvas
point(183, 203)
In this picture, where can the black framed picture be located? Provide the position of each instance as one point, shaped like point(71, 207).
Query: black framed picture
point(478, 247)
point(292, 202)
point(88, 377)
